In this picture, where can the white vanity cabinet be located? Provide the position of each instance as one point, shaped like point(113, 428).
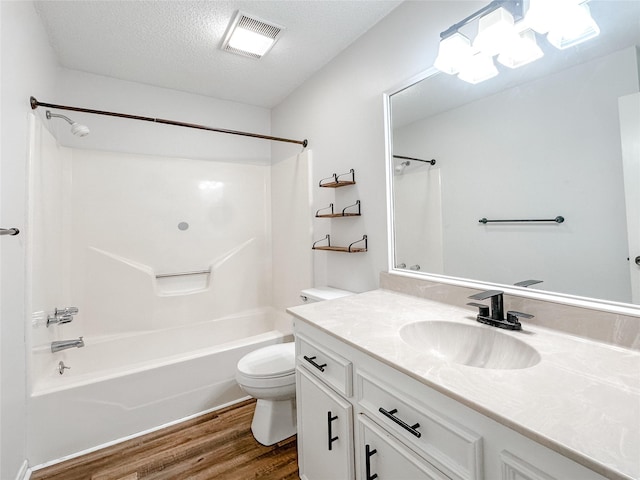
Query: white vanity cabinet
point(400, 428)
point(326, 446)
point(325, 417)
point(382, 456)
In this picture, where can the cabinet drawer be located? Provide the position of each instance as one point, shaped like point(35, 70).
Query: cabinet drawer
point(384, 458)
point(333, 369)
point(450, 447)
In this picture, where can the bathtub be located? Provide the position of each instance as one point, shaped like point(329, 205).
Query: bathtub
point(121, 385)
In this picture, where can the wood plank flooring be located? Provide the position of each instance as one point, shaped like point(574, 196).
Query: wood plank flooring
point(218, 445)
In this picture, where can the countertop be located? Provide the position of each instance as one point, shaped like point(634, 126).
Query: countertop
point(582, 399)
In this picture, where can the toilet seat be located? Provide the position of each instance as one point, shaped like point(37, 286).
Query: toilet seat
point(272, 362)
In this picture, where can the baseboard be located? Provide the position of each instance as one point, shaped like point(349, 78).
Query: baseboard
point(25, 472)
point(124, 439)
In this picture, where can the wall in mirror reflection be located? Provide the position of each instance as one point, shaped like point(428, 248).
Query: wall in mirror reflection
point(545, 148)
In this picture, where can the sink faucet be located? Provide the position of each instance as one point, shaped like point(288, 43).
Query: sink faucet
point(495, 316)
point(64, 344)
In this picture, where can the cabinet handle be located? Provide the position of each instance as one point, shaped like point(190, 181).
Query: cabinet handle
point(330, 437)
point(391, 415)
point(311, 361)
point(368, 453)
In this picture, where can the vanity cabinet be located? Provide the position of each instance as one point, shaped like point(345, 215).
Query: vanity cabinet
point(396, 427)
point(326, 448)
point(325, 417)
point(384, 457)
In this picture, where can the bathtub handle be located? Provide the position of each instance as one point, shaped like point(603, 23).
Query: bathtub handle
point(311, 361)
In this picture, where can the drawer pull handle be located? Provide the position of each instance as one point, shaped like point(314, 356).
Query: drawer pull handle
point(330, 437)
point(410, 428)
point(368, 454)
point(311, 361)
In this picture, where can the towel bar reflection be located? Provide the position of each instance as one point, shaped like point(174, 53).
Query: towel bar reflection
point(183, 274)
point(558, 219)
point(9, 231)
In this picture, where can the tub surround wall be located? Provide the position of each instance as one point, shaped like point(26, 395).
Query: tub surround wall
point(107, 224)
point(611, 328)
point(291, 232)
point(28, 65)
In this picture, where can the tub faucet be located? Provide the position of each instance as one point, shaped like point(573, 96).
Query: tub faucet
point(495, 316)
point(64, 344)
point(62, 315)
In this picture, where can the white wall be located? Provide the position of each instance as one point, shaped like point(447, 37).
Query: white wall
point(340, 111)
point(557, 140)
point(28, 65)
point(115, 134)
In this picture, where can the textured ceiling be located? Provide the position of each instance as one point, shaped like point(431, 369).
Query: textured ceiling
point(175, 44)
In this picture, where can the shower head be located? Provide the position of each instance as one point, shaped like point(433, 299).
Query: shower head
point(400, 168)
point(77, 129)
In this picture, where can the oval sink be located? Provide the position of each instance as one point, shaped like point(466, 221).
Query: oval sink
point(470, 345)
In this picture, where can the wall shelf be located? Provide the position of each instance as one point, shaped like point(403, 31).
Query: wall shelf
point(344, 212)
point(336, 180)
point(348, 249)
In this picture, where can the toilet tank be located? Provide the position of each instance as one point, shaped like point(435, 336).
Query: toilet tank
point(318, 294)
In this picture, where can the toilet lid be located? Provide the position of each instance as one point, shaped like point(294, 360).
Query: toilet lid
point(271, 361)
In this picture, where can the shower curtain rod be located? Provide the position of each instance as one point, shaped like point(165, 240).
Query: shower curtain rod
point(35, 104)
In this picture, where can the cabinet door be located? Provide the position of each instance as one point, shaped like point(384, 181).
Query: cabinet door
point(382, 457)
point(325, 431)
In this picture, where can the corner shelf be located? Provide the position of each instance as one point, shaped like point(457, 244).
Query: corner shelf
point(336, 182)
point(344, 212)
point(348, 249)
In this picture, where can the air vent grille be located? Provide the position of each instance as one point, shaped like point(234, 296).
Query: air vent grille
point(252, 24)
point(259, 26)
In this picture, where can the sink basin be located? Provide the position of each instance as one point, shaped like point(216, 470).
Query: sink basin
point(470, 345)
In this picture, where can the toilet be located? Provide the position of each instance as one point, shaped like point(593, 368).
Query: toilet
point(269, 375)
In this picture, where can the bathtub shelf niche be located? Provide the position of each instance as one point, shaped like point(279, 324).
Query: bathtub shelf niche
point(342, 180)
point(182, 283)
point(344, 212)
point(348, 249)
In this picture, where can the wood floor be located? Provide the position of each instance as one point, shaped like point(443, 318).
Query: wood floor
point(218, 445)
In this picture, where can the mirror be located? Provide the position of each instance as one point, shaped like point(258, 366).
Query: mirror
point(555, 141)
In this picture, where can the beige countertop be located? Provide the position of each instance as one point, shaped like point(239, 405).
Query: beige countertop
point(582, 399)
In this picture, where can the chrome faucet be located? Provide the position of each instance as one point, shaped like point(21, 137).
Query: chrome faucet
point(64, 344)
point(495, 316)
point(62, 315)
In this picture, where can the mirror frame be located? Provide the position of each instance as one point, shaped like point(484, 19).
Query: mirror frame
point(542, 295)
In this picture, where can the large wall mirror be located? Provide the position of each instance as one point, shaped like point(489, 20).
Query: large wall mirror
point(555, 141)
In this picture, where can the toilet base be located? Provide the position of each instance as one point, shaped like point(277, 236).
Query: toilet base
point(274, 420)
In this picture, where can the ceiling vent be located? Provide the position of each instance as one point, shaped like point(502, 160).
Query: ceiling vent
point(250, 36)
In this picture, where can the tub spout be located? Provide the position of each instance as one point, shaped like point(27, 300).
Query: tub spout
point(64, 344)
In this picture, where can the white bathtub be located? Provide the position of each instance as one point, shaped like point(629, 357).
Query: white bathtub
point(121, 385)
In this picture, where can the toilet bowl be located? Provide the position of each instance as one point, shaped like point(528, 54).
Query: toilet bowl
point(268, 374)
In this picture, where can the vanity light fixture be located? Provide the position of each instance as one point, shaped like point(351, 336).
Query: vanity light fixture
point(479, 68)
point(455, 51)
point(495, 32)
point(574, 25)
point(507, 31)
point(250, 36)
point(522, 51)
